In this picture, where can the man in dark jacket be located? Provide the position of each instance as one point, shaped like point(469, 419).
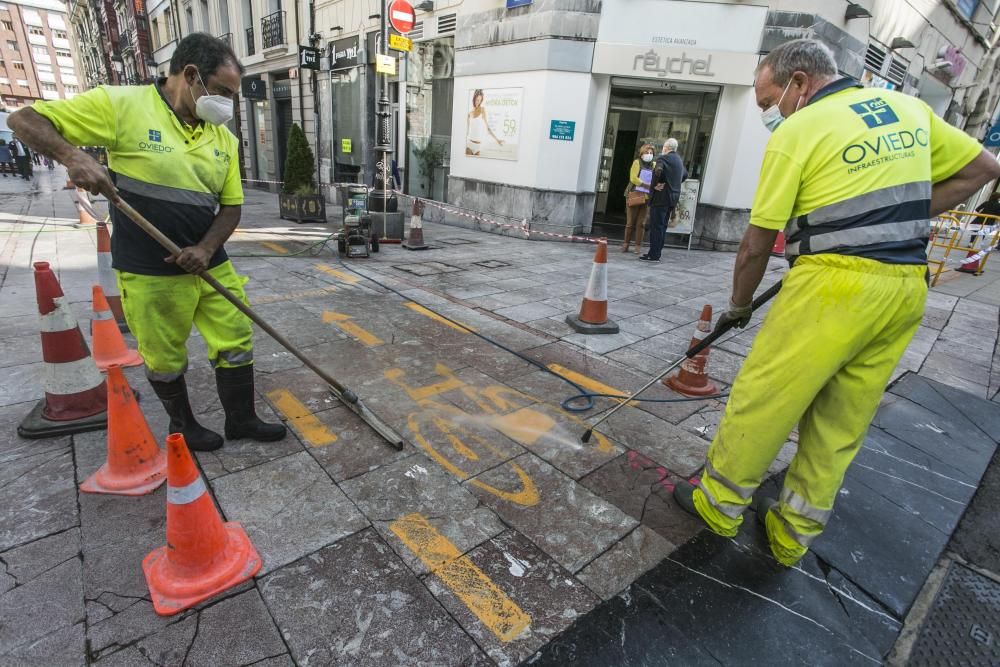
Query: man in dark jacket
point(22, 157)
point(668, 174)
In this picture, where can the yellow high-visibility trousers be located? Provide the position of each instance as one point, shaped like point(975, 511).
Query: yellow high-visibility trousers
point(822, 360)
point(161, 309)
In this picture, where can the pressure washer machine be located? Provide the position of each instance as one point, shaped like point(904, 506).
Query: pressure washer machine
point(355, 238)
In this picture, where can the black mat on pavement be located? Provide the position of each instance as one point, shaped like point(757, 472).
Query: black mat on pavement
point(717, 600)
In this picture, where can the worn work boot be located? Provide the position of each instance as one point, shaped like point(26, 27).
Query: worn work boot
point(237, 395)
point(684, 496)
point(174, 396)
point(761, 506)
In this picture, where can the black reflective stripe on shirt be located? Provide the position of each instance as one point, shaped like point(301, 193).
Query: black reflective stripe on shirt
point(166, 193)
point(890, 225)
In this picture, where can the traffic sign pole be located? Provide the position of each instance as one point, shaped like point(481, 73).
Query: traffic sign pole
point(382, 198)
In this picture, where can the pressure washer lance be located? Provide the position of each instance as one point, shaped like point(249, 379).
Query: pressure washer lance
point(348, 397)
point(695, 349)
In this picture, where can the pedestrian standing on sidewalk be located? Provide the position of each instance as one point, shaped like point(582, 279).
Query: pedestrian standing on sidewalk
point(668, 174)
point(174, 161)
point(6, 159)
point(637, 197)
point(22, 157)
point(857, 226)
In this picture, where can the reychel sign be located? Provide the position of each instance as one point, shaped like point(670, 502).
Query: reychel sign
point(684, 41)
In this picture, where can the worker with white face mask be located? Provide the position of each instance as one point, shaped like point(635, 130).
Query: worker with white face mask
point(172, 159)
point(853, 176)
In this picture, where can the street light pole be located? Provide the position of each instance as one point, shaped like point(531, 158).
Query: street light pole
point(382, 198)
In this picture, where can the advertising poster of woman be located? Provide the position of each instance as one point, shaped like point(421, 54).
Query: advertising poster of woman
point(493, 124)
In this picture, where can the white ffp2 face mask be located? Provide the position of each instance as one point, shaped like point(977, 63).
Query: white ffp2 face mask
point(648, 157)
point(772, 116)
point(214, 109)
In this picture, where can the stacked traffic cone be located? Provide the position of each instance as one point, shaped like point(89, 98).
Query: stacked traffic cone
point(415, 239)
point(75, 393)
point(203, 556)
point(83, 208)
point(106, 276)
point(593, 317)
point(135, 465)
point(778, 249)
point(691, 379)
point(109, 346)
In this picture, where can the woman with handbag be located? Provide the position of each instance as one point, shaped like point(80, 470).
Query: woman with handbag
point(637, 197)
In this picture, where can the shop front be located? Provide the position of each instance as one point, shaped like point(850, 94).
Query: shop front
point(671, 68)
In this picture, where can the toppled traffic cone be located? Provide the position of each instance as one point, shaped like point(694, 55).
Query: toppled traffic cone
point(415, 239)
point(135, 465)
point(593, 317)
point(75, 393)
point(106, 276)
point(83, 208)
point(109, 346)
point(691, 379)
point(203, 556)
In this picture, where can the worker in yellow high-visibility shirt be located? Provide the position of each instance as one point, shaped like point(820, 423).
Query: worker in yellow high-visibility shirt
point(174, 161)
point(853, 176)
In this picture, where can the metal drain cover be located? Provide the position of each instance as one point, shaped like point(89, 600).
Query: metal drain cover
point(456, 241)
point(427, 268)
point(491, 264)
point(963, 626)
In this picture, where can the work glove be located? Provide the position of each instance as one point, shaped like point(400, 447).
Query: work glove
point(738, 316)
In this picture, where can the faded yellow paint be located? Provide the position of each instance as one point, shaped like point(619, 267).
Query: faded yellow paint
point(588, 382)
point(416, 307)
point(344, 323)
point(468, 583)
point(280, 249)
point(339, 275)
point(302, 420)
point(289, 296)
point(422, 393)
point(525, 426)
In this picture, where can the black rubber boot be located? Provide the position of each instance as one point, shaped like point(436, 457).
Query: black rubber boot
point(684, 497)
point(174, 396)
point(237, 396)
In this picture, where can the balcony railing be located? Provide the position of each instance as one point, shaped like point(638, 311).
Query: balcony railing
point(227, 38)
point(250, 46)
point(272, 30)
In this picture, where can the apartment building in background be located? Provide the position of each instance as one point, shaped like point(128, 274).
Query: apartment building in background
point(37, 59)
point(113, 39)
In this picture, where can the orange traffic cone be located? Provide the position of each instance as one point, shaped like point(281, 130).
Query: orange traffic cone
point(76, 397)
point(203, 556)
point(109, 346)
point(593, 317)
point(86, 219)
point(691, 379)
point(135, 465)
point(106, 276)
point(415, 239)
point(972, 265)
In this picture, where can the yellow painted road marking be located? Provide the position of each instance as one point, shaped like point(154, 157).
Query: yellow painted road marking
point(311, 429)
point(525, 426)
point(339, 275)
point(588, 382)
point(344, 323)
point(470, 584)
point(416, 307)
point(288, 296)
point(275, 247)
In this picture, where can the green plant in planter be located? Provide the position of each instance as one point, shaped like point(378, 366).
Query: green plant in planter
point(430, 156)
point(299, 164)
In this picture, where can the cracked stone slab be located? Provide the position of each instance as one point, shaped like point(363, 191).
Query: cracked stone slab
point(289, 508)
point(358, 448)
point(61, 648)
point(36, 616)
point(237, 455)
point(355, 603)
point(544, 592)
point(946, 400)
point(417, 485)
point(38, 499)
point(28, 561)
point(673, 447)
point(626, 561)
point(238, 631)
point(642, 489)
point(568, 522)
point(715, 587)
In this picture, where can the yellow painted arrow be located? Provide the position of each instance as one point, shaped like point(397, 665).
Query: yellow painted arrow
point(344, 323)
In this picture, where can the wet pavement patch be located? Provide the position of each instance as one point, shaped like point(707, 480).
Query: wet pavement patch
point(726, 600)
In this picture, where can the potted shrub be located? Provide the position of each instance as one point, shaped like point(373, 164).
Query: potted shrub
point(299, 199)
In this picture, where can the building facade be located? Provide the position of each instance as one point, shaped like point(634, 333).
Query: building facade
point(38, 60)
point(113, 41)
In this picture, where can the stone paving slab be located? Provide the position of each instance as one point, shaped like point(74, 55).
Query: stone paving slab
point(563, 518)
point(355, 602)
point(289, 508)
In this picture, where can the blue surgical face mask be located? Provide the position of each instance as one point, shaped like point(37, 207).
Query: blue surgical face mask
point(771, 116)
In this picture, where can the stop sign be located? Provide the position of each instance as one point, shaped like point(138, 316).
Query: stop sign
point(401, 16)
